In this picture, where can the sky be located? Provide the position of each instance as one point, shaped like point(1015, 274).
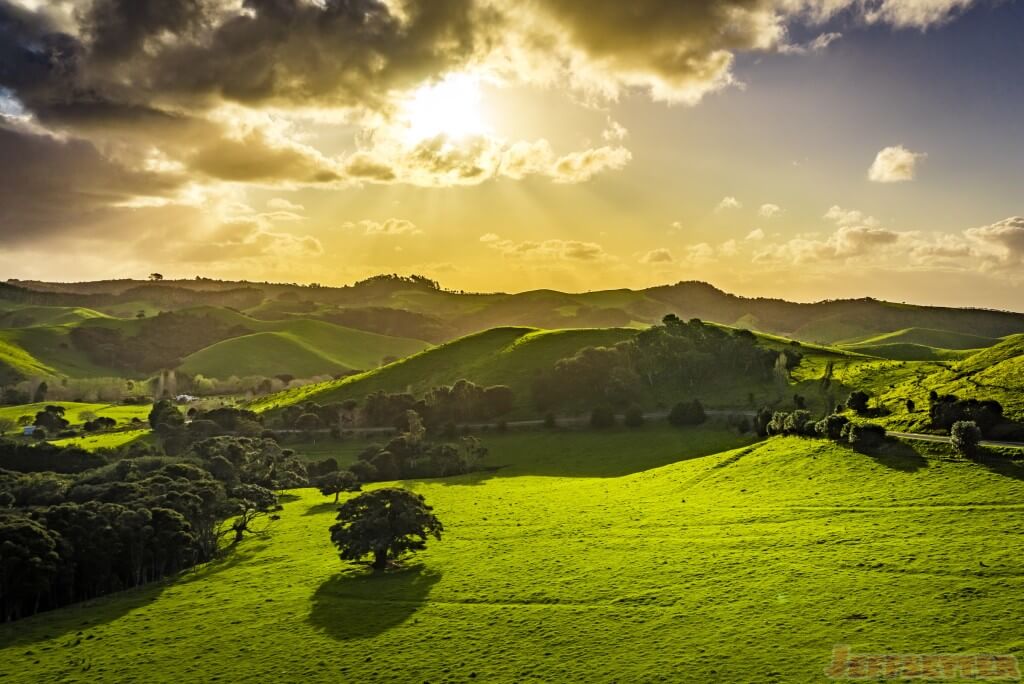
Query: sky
point(805, 149)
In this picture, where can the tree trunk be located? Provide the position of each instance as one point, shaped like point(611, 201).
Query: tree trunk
point(336, 497)
point(380, 559)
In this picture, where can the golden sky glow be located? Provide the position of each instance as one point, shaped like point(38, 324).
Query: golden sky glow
point(799, 149)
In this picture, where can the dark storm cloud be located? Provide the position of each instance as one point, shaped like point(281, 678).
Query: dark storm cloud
point(47, 185)
point(133, 53)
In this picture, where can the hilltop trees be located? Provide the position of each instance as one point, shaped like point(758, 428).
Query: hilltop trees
point(384, 523)
point(676, 355)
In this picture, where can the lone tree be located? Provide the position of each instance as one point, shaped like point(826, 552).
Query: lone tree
point(337, 482)
point(858, 402)
point(386, 523)
point(965, 436)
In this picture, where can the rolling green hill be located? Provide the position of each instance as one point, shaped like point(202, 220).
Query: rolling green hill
point(27, 316)
point(448, 315)
point(302, 348)
point(943, 339)
point(748, 565)
point(509, 356)
point(906, 351)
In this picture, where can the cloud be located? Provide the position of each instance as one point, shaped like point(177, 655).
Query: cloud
point(727, 203)
point(894, 165)
point(914, 13)
point(769, 211)
point(281, 204)
point(51, 186)
point(247, 239)
point(1001, 243)
point(851, 217)
point(657, 256)
point(756, 234)
point(547, 250)
point(391, 226)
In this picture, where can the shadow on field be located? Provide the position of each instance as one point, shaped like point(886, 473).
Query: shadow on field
point(1000, 464)
point(898, 456)
point(613, 452)
point(325, 507)
point(359, 606)
point(79, 618)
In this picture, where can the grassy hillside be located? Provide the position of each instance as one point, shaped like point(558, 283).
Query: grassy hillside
point(302, 347)
point(26, 316)
point(46, 350)
point(508, 356)
point(943, 339)
point(906, 351)
point(265, 354)
point(993, 373)
point(744, 566)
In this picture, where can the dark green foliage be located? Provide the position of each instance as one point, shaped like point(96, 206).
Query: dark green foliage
point(946, 410)
point(687, 413)
point(46, 457)
point(676, 355)
point(965, 436)
point(864, 436)
point(858, 402)
point(29, 564)
point(384, 523)
point(155, 343)
point(253, 461)
point(165, 417)
point(337, 482)
point(831, 426)
point(761, 421)
point(51, 419)
point(98, 424)
point(634, 417)
point(550, 421)
point(911, 406)
point(602, 417)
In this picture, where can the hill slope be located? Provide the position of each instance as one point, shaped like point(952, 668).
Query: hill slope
point(744, 566)
point(302, 348)
point(509, 356)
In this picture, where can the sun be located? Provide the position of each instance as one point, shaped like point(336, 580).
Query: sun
point(451, 108)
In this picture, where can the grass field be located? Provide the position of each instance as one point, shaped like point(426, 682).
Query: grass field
point(583, 561)
point(106, 440)
point(73, 411)
point(943, 339)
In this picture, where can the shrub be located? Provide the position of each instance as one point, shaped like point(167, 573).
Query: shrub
point(634, 417)
point(865, 436)
point(687, 413)
point(831, 426)
point(550, 422)
point(858, 402)
point(602, 417)
point(965, 436)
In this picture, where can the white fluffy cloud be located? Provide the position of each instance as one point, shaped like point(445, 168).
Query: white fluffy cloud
point(769, 211)
point(657, 256)
point(727, 203)
point(547, 250)
point(391, 226)
point(894, 165)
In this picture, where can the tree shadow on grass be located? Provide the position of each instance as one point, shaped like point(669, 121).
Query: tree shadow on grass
point(898, 456)
point(1000, 464)
point(325, 507)
point(76, 618)
point(359, 604)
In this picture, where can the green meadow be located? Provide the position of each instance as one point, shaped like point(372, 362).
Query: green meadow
point(622, 556)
